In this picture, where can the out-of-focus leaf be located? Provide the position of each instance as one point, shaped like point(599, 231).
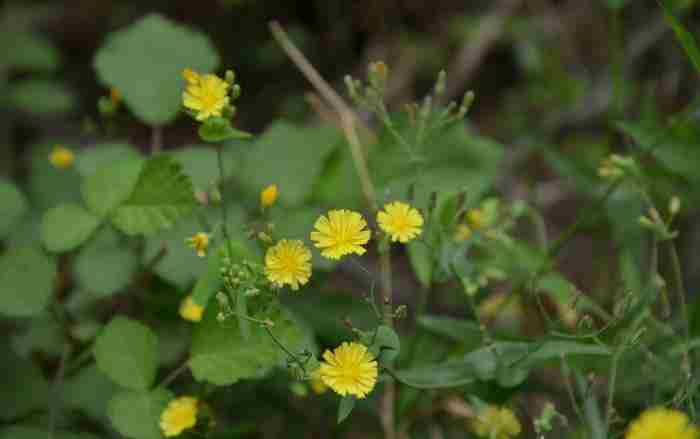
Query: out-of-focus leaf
point(14, 206)
point(105, 265)
point(28, 51)
point(98, 156)
point(199, 163)
point(50, 186)
point(290, 156)
point(422, 262)
point(42, 334)
point(145, 61)
point(89, 391)
point(40, 96)
point(218, 129)
point(22, 388)
point(465, 331)
point(222, 356)
point(127, 352)
point(26, 281)
point(686, 39)
point(111, 185)
point(66, 227)
point(136, 414)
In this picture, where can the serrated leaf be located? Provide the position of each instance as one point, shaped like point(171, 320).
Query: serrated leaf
point(136, 415)
point(127, 352)
point(66, 227)
point(14, 206)
point(347, 403)
point(162, 195)
point(98, 156)
point(145, 61)
point(111, 185)
point(105, 265)
point(218, 129)
point(222, 356)
point(290, 156)
point(26, 281)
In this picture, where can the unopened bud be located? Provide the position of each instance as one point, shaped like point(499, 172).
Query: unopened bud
point(674, 206)
point(230, 77)
point(440, 83)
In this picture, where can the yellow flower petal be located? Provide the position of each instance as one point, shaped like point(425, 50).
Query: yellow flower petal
point(288, 263)
point(496, 423)
point(341, 233)
point(200, 243)
point(400, 221)
point(662, 423)
point(206, 95)
point(349, 370)
point(190, 310)
point(178, 416)
point(268, 196)
point(61, 157)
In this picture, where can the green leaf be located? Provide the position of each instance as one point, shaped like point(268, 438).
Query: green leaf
point(211, 281)
point(66, 227)
point(136, 415)
point(50, 186)
point(23, 388)
point(14, 206)
point(28, 51)
point(686, 39)
point(127, 352)
point(18, 432)
point(222, 356)
point(347, 403)
point(26, 281)
point(40, 96)
point(89, 391)
point(422, 262)
point(218, 129)
point(42, 334)
point(111, 185)
point(199, 163)
point(384, 343)
point(98, 156)
point(106, 265)
point(290, 156)
point(145, 61)
point(162, 196)
point(465, 331)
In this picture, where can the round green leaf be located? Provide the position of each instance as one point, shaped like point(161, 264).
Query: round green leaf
point(105, 189)
point(145, 62)
point(126, 351)
point(14, 205)
point(136, 415)
point(89, 391)
point(26, 281)
point(66, 227)
point(91, 160)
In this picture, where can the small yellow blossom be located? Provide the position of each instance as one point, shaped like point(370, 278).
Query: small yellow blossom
point(268, 196)
point(496, 423)
point(476, 218)
point(349, 370)
point(317, 384)
point(662, 423)
point(207, 95)
point(463, 232)
point(340, 233)
point(114, 95)
point(200, 243)
point(61, 157)
point(400, 221)
point(190, 310)
point(179, 415)
point(288, 262)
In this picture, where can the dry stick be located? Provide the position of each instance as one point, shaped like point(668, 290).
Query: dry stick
point(473, 52)
point(348, 119)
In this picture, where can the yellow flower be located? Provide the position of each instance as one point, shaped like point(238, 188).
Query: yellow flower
point(200, 243)
point(288, 262)
point(61, 157)
point(349, 370)
point(114, 96)
point(476, 218)
point(268, 196)
point(179, 415)
point(341, 233)
point(662, 423)
point(207, 95)
point(190, 310)
point(496, 423)
point(463, 232)
point(317, 384)
point(400, 221)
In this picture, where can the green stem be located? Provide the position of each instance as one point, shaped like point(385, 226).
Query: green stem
point(611, 387)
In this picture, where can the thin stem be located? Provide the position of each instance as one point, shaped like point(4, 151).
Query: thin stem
point(156, 139)
point(680, 289)
point(174, 374)
point(224, 210)
point(56, 391)
point(281, 346)
point(611, 387)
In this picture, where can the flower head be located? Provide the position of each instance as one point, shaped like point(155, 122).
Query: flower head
point(340, 233)
point(662, 423)
point(268, 196)
point(114, 95)
point(200, 243)
point(349, 370)
point(496, 423)
point(400, 221)
point(190, 310)
point(462, 232)
point(61, 157)
point(288, 262)
point(207, 95)
point(179, 415)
